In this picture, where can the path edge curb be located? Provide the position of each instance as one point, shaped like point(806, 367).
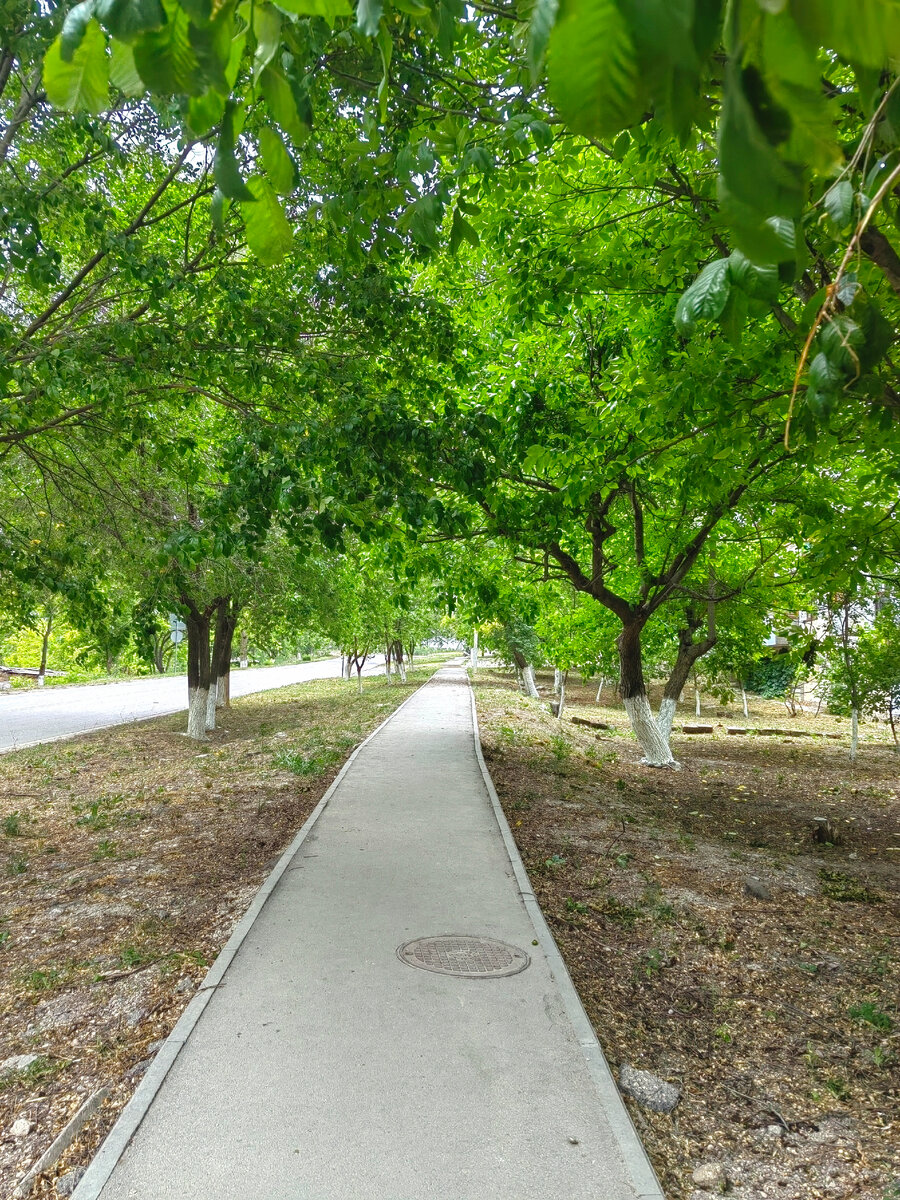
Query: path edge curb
point(129, 1120)
point(634, 1154)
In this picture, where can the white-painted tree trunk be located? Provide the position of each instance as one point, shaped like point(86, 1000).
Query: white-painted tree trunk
point(562, 696)
point(666, 717)
point(520, 679)
point(528, 680)
point(387, 667)
point(474, 656)
point(697, 700)
point(211, 696)
point(600, 688)
point(199, 703)
point(557, 680)
point(244, 652)
point(854, 734)
point(402, 668)
point(744, 702)
point(654, 745)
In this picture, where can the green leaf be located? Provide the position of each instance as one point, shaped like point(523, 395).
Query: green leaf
point(864, 31)
point(83, 81)
point(283, 104)
point(368, 16)
point(277, 162)
point(759, 282)
point(73, 28)
point(126, 19)
point(205, 112)
point(838, 201)
point(267, 31)
point(166, 60)
point(269, 234)
point(825, 375)
point(591, 68)
point(706, 298)
point(461, 231)
point(329, 10)
point(226, 171)
point(543, 18)
point(122, 71)
point(218, 209)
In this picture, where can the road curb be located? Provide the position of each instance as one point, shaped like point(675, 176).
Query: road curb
point(634, 1156)
point(116, 1142)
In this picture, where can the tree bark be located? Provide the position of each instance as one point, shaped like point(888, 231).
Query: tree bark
point(562, 695)
point(557, 680)
point(854, 734)
point(198, 666)
point(689, 651)
point(220, 667)
point(45, 645)
point(244, 650)
point(600, 689)
point(634, 697)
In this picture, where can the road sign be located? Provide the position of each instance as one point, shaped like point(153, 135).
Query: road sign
point(177, 629)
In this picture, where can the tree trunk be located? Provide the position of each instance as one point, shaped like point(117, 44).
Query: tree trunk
point(854, 733)
point(696, 696)
point(893, 723)
point(562, 694)
point(475, 651)
point(744, 702)
point(688, 653)
point(198, 623)
point(220, 675)
point(244, 652)
point(634, 698)
point(557, 680)
point(45, 644)
point(600, 688)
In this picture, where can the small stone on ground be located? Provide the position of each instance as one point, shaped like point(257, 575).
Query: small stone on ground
point(66, 1184)
point(711, 1177)
point(649, 1090)
point(20, 1128)
point(18, 1062)
point(755, 887)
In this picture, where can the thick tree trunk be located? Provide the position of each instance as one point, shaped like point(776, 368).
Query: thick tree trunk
point(688, 653)
point(198, 670)
point(220, 674)
point(530, 684)
point(557, 680)
point(634, 698)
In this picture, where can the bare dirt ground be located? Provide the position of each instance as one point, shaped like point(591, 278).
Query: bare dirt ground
point(127, 858)
point(777, 1018)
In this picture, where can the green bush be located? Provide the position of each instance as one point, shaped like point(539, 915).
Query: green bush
point(770, 677)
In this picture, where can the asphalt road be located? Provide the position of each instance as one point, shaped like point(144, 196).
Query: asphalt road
point(47, 714)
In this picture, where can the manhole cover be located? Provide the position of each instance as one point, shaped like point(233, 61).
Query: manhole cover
point(470, 957)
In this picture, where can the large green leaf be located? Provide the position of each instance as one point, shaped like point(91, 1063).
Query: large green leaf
point(368, 16)
point(591, 68)
point(282, 104)
point(122, 71)
point(226, 171)
point(864, 31)
point(165, 58)
point(126, 19)
point(269, 234)
point(74, 27)
point(83, 81)
point(706, 298)
point(543, 17)
point(277, 162)
point(267, 31)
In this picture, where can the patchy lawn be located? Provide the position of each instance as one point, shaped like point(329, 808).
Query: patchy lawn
point(126, 858)
point(777, 1018)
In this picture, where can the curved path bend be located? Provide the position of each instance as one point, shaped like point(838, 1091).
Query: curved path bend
point(314, 1064)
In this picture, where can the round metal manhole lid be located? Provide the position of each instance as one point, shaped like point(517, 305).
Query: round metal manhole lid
point(461, 955)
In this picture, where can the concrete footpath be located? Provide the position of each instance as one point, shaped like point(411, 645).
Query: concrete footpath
point(316, 1063)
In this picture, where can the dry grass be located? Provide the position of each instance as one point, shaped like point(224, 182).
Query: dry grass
point(778, 1019)
point(127, 856)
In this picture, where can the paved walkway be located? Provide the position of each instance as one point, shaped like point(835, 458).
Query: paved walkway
point(38, 715)
point(321, 1067)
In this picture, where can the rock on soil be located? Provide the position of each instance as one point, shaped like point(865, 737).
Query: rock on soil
point(648, 1089)
point(755, 887)
point(66, 1184)
point(18, 1062)
point(20, 1128)
point(711, 1177)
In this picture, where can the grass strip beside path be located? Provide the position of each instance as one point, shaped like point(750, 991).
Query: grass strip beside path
point(778, 1018)
point(127, 857)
